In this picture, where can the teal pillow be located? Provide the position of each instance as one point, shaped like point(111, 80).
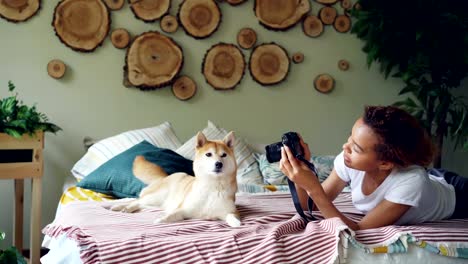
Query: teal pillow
point(115, 177)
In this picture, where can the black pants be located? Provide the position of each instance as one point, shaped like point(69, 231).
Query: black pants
point(460, 184)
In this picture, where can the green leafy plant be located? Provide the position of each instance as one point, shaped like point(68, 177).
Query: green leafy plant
point(425, 43)
point(10, 255)
point(17, 119)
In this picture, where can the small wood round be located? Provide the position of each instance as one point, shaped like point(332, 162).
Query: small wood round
point(280, 14)
point(357, 6)
point(298, 57)
point(19, 10)
point(120, 38)
point(149, 10)
point(81, 25)
point(269, 64)
point(326, 2)
point(199, 18)
point(56, 69)
point(346, 4)
point(246, 38)
point(235, 2)
point(169, 24)
point(184, 88)
point(312, 26)
point(223, 66)
point(327, 14)
point(153, 60)
point(342, 23)
point(324, 83)
point(114, 4)
point(343, 65)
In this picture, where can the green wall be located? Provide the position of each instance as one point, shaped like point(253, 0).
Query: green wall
point(91, 100)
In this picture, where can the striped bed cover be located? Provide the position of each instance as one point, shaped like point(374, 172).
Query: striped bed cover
point(270, 233)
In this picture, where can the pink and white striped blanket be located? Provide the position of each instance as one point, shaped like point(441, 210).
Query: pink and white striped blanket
point(270, 233)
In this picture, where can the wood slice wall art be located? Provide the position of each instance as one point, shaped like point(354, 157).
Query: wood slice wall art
point(120, 38)
point(324, 83)
point(343, 65)
point(327, 14)
point(246, 38)
point(149, 10)
point(184, 88)
point(153, 60)
point(114, 4)
point(298, 57)
point(269, 64)
point(56, 68)
point(169, 24)
point(312, 26)
point(346, 4)
point(19, 10)
point(280, 14)
point(199, 18)
point(223, 66)
point(342, 23)
point(81, 24)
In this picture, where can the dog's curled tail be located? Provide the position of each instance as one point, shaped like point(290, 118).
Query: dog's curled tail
point(147, 171)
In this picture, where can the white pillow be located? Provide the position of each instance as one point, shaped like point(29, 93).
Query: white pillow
point(247, 166)
point(162, 136)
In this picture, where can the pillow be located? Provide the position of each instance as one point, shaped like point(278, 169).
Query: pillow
point(247, 166)
point(115, 176)
point(273, 175)
point(162, 136)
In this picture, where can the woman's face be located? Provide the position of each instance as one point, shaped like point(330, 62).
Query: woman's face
point(359, 150)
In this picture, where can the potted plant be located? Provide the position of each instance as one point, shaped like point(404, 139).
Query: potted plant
point(17, 119)
point(10, 255)
point(425, 43)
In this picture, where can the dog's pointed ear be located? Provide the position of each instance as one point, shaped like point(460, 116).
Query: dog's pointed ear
point(229, 139)
point(201, 139)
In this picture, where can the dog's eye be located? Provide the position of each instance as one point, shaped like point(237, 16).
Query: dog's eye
point(208, 154)
point(223, 155)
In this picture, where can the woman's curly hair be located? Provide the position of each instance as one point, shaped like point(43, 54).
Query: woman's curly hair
point(402, 139)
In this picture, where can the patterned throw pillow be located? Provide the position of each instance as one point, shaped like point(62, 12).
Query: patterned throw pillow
point(273, 175)
point(247, 166)
point(162, 136)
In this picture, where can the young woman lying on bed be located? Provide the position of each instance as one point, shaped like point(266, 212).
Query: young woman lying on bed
point(383, 161)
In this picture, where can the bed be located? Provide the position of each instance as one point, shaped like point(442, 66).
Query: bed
point(86, 231)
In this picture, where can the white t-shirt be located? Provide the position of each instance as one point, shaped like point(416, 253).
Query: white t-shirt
point(431, 198)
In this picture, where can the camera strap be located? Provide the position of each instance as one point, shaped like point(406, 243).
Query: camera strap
point(295, 198)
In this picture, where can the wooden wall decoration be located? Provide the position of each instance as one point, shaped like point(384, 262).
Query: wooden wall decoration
point(199, 18)
point(81, 25)
point(342, 23)
point(114, 4)
point(169, 24)
point(343, 65)
point(328, 14)
point(246, 38)
point(223, 66)
point(280, 14)
point(19, 10)
point(153, 60)
point(184, 88)
point(269, 64)
point(298, 57)
point(149, 10)
point(312, 26)
point(56, 69)
point(324, 83)
point(120, 38)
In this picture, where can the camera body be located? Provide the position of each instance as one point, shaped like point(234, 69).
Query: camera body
point(290, 139)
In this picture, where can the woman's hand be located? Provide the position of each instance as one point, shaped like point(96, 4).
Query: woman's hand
point(305, 147)
point(297, 171)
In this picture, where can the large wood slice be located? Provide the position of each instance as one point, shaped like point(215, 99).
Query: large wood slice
point(269, 64)
point(223, 66)
point(153, 60)
point(199, 18)
point(81, 24)
point(19, 10)
point(280, 14)
point(149, 10)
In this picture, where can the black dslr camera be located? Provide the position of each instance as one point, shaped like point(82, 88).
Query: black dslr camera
point(290, 139)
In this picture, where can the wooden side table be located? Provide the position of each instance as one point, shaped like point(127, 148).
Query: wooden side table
point(21, 159)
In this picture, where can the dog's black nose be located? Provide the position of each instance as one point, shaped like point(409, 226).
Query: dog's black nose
point(218, 165)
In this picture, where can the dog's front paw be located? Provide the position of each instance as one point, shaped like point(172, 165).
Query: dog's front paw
point(233, 220)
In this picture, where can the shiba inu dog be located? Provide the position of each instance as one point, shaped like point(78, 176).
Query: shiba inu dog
point(209, 195)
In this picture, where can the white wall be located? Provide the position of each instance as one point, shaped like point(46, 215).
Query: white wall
point(91, 100)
